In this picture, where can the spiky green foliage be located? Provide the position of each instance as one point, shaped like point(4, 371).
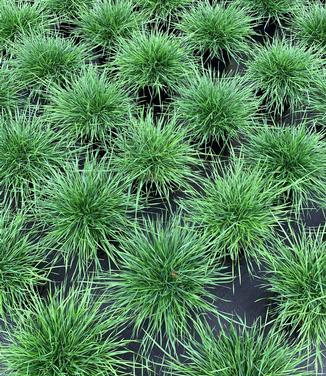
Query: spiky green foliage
point(294, 157)
point(20, 17)
point(40, 60)
point(85, 210)
point(309, 25)
point(317, 99)
point(20, 260)
point(66, 10)
point(236, 207)
point(165, 280)
point(163, 9)
point(215, 108)
point(9, 89)
point(296, 277)
point(29, 152)
point(152, 60)
point(239, 350)
point(108, 21)
point(89, 106)
point(155, 154)
point(64, 335)
point(283, 71)
point(277, 9)
point(217, 28)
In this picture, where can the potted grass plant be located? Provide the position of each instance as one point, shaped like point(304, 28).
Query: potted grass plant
point(64, 334)
point(294, 157)
point(216, 108)
point(22, 261)
point(155, 155)
point(107, 22)
point(282, 73)
point(217, 30)
point(295, 277)
point(30, 151)
point(165, 281)
point(90, 107)
point(85, 210)
point(239, 349)
point(236, 207)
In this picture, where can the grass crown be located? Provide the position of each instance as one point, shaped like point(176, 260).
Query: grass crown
point(217, 28)
point(296, 277)
point(294, 157)
point(90, 107)
point(85, 210)
point(29, 153)
point(239, 350)
point(20, 18)
point(108, 21)
point(216, 107)
point(40, 60)
point(152, 60)
point(165, 280)
point(283, 72)
point(20, 260)
point(155, 154)
point(309, 25)
point(64, 335)
point(237, 209)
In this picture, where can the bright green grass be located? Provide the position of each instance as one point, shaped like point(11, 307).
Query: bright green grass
point(276, 9)
point(90, 107)
point(163, 9)
point(29, 152)
point(283, 72)
point(85, 210)
point(317, 99)
point(20, 260)
point(152, 60)
point(218, 28)
point(294, 157)
point(309, 25)
point(67, 10)
point(108, 21)
point(41, 60)
point(296, 278)
point(240, 350)
point(20, 18)
point(216, 108)
point(9, 89)
point(155, 154)
point(165, 281)
point(236, 208)
point(64, 335)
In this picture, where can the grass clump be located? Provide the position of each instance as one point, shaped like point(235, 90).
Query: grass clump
point(152, 60)
point(216, 108)
point(317, 99)
point(163, 9)
point(296, 277)
point(283, 72)
point(276, 9)
point(9, 89)
point(64, 335)
point(217, 29)
point(237, 209)
point(29, 152)
point(68, 11)
point(294, 157)
point(309, 25)
point(108, 21)
point(165, 281)
point(85, 210)
point(89, 107)
point(20, 261)
point(239, 350)
point(20, 18)
point(40, 60)
point(155, 155)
